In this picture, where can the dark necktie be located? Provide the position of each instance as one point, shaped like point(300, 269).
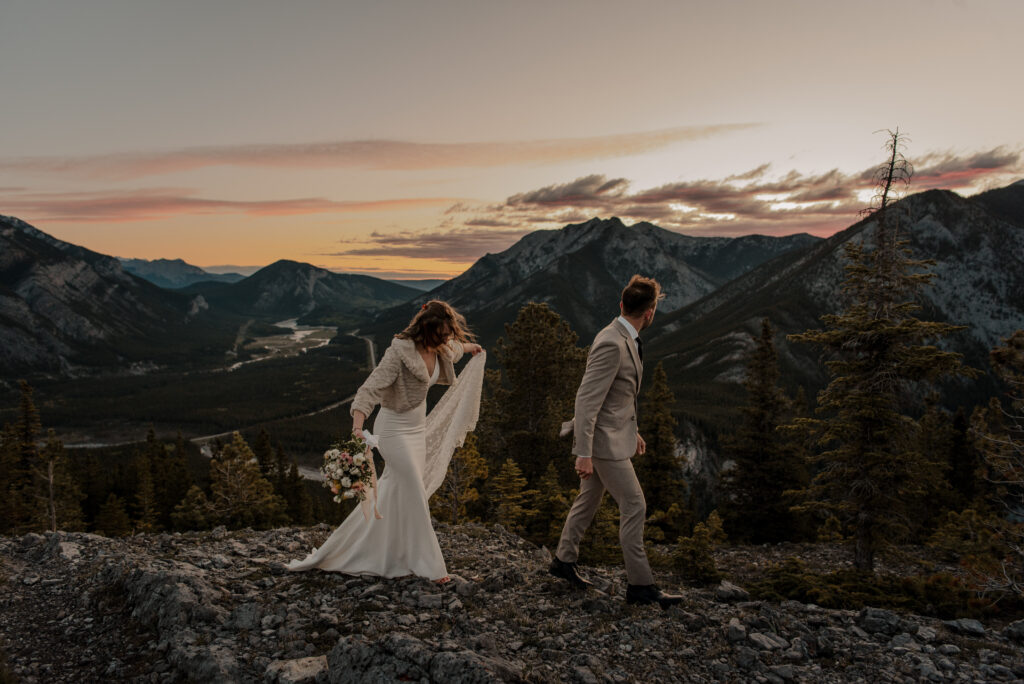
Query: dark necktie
point(640, 349)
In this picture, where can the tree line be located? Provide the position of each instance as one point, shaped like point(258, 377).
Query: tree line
point(155, 486)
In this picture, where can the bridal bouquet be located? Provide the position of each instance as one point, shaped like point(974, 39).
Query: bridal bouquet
point(348, 468)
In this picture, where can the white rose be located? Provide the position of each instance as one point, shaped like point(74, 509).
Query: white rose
point(356, 471)
point(349, 494)
point(358, 459)
point(345, 482)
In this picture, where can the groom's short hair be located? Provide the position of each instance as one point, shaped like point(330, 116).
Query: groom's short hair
point(640, 295)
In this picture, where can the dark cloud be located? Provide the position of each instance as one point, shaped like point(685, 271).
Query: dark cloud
point(490, 223)
point(458, 246)
point(594, 189)
point(750, 201)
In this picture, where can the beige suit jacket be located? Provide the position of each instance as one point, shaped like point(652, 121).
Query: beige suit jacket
point(605, 421)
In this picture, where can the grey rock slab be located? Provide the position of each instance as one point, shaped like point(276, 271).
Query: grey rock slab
point(729, 592)
point(1014, 631)
point(735, 631)
point(879, 621)
point(297, 671)
point(784, 672)
point(966, 626)
point(584, 675)
point(767, 641)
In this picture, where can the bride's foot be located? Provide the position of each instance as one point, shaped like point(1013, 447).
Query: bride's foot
point(444, 580)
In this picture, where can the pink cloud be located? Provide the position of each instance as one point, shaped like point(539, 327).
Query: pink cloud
point(147, 205)
point(376, 155)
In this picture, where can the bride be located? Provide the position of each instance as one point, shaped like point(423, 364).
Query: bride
point(416, 448)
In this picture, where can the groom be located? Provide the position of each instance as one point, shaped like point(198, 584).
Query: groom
point(605, 439)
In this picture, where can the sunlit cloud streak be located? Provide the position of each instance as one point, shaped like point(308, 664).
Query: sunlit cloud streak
point(744, 203)
point(373, 155)
point(153, 204)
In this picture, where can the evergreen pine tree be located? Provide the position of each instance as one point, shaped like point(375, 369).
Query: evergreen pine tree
point(659, 469)
point(534, 394)
point(10, 454)
point(240, 495)
point(871, 472)
point(193, 512)
point(965, 464)
point(459, 489)
point(509, 496)
point(300, 503)
point(146, 510)
point(766, 462)
point(1001, 432)
point(264, 452)
point(551, 505)
point(278, 475)
point(171, 478)
point(113, 520)
point(23, 505)
point(600, 544)
point(58, 488)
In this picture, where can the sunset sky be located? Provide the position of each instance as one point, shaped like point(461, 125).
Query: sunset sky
point(407, 139)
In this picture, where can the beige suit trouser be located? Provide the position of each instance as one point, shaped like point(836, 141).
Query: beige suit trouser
point(619, 478)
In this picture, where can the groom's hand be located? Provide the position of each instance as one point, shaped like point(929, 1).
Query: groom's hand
point(584, 467)
point(641, 445)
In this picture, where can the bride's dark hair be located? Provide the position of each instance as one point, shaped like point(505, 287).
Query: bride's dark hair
point(435, 323)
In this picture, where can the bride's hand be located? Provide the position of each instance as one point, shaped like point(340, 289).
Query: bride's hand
point(472, 348)
point(358, 432)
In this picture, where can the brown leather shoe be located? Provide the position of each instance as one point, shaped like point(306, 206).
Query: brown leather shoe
point(650, 593)
point(568, 572)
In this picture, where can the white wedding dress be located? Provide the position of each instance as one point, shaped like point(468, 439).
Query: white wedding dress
point(416, 451)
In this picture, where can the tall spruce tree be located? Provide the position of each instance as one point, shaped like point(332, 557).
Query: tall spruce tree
point(871, 472)
point(299, 502)
point(10, 454)
point(59, 490)
point(535, 392)
point(659, 468)
point(550, 505)
point(192, 512)
point(766, 461)
point(23, 505)
point(113, 520)
point(509, 497)
point(239, 495)
point(264, 452)
point(459, 490)
point(146, 508)
point(1001, 432)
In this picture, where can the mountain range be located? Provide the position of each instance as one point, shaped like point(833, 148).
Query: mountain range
point(65, 309)
point(63, 306)
point(978, 247)
point(287, 289)
point(172, 274)
point(68, 311)
point(580, 271)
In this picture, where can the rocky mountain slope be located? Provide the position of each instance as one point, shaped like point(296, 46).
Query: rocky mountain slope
point(175, 273)
point(979, 283)
point(65, 309)
point(581, 269)
point(290, 289)
point(221, 607)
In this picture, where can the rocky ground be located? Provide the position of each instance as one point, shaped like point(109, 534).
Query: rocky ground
point(220, 607)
